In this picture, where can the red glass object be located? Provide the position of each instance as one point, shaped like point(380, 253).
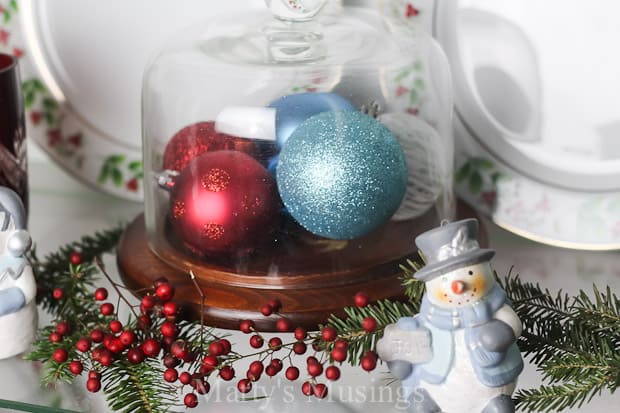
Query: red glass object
point(13, 163)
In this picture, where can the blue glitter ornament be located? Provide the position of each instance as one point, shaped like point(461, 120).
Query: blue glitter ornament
point(342, 174)
point(292, 110)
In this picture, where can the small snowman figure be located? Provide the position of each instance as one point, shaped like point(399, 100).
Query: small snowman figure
point(459, 354)
point(18, 312)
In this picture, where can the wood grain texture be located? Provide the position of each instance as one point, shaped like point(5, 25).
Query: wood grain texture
point(312, 278)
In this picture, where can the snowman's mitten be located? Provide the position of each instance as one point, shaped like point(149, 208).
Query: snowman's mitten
point(400, 369)
point(11, 300)
point(496, 336)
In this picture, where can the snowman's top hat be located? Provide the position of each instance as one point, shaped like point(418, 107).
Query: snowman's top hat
point(450, 246)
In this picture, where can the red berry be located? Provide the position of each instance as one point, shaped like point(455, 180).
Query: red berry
point(256, 341)
point(361, 300)
point(332, 373)
point(275, 305)
point(227, 346)
point(106, 358)
point(60, 355)
point(300, 348)
point(306, 389)
point(93, 385)
point(169, 329)
point(340, 343)
point(227, 373)
point(266, 310)
point(96, 336)
point(170, 309)
point(107, 309)
point(209, 363)
point(83, 345)
point(127, 337)
point(171, 375)
point(190, 400)
point(75, 258)
point(246, 326)
point(216, 349)
point(201, 386)
point(55, 337)
point(58, 293)
point(256, 368)
point(300, 333)
point(135, 355)
point(312, 360)
point(277, 363)
point(292, 373)
point(145, 322)
point(165, 292)
point(369, 361)
point(316, 346)
point(315, 369)
point(189, 357)
point(329, 333)
point(151, 347)
point(115, 346)
point(339, 354)
point(170, 361)
point(271, 371)
point(369, 324)
point(185, 378)
point(76, 367)
point(94, 375)
point(275, 343)
point(148, 302)
point(320, 391)
point(101, 294)
point(244, 386)
point(284, 325)
point(62, 328)
point(116, 326)
point(178, 349)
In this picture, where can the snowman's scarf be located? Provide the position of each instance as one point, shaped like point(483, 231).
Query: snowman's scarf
point(466, 317)
point(469, 318)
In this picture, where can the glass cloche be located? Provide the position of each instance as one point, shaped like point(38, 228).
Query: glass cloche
point(295, 150)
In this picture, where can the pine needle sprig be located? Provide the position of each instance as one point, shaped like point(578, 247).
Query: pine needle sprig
point(51, 271)
point(138, 387)
point(349, 328)
point(574, 341)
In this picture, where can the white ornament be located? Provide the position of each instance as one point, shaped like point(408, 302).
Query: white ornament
point(422, 146)
point(18, 312)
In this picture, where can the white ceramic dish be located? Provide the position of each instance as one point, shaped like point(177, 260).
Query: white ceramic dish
point(82, 64)
point(537, 121)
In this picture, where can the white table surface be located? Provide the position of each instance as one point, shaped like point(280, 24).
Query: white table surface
point(62, 210)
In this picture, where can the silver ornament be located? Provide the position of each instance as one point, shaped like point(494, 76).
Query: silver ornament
point(19, 242)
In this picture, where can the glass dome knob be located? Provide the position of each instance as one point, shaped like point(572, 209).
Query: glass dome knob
point(295, 10)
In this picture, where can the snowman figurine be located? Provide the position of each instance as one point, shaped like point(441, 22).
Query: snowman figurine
point(459, 354)
point(18, 312)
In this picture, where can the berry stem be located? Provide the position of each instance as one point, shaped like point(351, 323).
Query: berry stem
point(202, 307)
point(99, 265)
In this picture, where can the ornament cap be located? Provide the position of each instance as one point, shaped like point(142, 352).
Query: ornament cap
point(167, 179)
point(247, 122)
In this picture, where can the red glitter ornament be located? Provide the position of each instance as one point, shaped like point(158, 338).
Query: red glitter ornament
point(223, 202)
point(199, 138)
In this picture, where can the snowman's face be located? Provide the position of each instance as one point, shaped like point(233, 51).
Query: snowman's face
point(461, 287)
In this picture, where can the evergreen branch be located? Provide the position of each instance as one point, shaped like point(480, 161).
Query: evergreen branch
point(349, 328)
point(52, 270)
point(138, 387)
point(32, 408)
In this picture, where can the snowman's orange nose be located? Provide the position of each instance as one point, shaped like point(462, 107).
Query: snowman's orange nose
point(458, 287)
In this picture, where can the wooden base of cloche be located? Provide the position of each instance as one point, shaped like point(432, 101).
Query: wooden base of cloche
point(312, 279)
